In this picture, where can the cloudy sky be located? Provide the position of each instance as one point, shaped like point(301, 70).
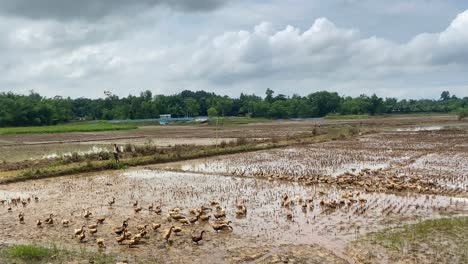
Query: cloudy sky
point(399, 48)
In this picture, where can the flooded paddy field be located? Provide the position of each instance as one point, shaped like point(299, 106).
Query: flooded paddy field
point(14, 148)
point(277, 214)
point(298, 204)
point(47, 150)
point(428, 161)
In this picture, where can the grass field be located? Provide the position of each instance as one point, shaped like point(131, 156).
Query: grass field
point(72, 127)
point(336, 117)
point(51, 254)
point(226, 121)
point(442, 240)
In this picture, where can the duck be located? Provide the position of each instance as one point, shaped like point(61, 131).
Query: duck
point(197, 239)
point(93, 231)
point(87, 214)
point(82, 236)
point(120, 229)
point(177, 229)
point(158, 210)
point(133, 242)
point(38, 223)
point(65, 222)
point(128, 234)
point(176, 216)
point(242, 211)
point(205, 217)
point(150, 207)
point(194, 219)
point(101, 220)
point(142, 227)
point(93, 226)
point(50, 220)
point(184, 221)
point(120, 238)
point(137, 209)
point(21, 218)
point(135, 204)
point(220, 214)
point(79, 231)
point(218, 227)
point(100, 242)
point(141, 234)
point(156, 226)
point(167, 234)
point(112, 202)
point(204, 208)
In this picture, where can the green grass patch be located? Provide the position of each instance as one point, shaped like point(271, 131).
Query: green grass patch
point(228, 121)
point(72, 127)
point(41, 254)
point(345, 117)
point(28, 252)
point(443, 240)
point(424, 114)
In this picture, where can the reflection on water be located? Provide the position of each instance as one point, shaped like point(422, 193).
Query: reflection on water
point(93, 150)
point(424, 128)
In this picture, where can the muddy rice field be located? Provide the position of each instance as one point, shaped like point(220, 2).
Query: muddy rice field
point(299, 204)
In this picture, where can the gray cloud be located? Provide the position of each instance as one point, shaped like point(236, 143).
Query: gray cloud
point(95, 9)
point(231, 50)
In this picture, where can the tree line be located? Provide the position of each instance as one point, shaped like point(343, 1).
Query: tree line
point(34, 109)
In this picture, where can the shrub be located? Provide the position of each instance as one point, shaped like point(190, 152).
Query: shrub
point(242, 141)
point(462, 114)
point(104, 155)
point(353, 131)
point(223, 144)
point(129, 147)
point(29, 252)
point(75, 157)
point(314, 131)
point(114, 165)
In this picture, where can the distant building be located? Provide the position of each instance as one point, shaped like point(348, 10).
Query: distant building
point(165, 116)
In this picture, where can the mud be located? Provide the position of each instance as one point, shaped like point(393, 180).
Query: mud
point(298, 209)
point(266, 222)
point(15, 148)
point(435, 160)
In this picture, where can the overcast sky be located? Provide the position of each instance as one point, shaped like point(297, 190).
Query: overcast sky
point(398, 48)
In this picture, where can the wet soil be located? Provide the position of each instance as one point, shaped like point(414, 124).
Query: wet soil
point(35, 146)
point(432, 162)
point(266, 223)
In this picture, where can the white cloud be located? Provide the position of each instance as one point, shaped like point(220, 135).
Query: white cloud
point(322, 51)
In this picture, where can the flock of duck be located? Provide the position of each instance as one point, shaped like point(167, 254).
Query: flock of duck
point(176, 219)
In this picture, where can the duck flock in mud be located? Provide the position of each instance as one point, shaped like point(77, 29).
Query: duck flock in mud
point(176, 221)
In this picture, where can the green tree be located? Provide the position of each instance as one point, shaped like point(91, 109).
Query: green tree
point(269, 95)
point(212, 112)
point(445, 95)
point(192, 107)
point(462, 114)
